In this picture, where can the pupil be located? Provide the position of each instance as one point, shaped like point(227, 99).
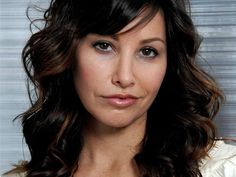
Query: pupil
point(146, 52)
point(104, 46)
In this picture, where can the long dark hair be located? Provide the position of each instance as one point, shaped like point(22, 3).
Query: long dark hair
point(179, 128)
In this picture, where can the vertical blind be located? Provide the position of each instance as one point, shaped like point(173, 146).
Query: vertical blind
point(215, 21)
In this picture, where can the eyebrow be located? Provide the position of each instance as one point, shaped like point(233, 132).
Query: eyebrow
point(145, 41)
point(152, 40)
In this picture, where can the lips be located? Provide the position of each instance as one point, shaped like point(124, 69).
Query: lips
point(121, 100)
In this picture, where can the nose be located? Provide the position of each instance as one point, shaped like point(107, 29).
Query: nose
point(123, 75)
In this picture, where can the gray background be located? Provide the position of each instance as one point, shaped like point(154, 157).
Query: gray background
point(215, 20)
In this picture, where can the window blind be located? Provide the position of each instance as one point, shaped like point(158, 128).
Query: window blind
point(215, 21)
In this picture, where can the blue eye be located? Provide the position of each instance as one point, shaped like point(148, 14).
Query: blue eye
point(102, 46)
point(148, 52)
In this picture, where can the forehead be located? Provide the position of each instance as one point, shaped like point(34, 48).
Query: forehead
point(155, 26)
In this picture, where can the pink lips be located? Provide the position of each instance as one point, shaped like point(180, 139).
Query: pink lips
point(120, 100)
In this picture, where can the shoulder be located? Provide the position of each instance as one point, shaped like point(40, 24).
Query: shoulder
point(221, 161)
point(14, 175)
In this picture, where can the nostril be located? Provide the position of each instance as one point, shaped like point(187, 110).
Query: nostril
point(123, 75)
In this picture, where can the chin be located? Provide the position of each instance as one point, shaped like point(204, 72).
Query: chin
point(119, 122)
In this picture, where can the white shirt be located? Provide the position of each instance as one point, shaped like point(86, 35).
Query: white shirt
point(220, 163)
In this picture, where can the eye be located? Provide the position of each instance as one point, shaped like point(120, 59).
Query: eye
point(102, 46)
point(148, 52)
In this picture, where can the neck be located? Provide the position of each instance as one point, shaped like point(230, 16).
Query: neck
point(112, 148)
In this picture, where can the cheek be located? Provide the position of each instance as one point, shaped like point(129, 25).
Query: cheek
point(82, 75)
point(91, 74)
point(152, 80)
point(88, 75)
point(157, 80)
point(85, 74)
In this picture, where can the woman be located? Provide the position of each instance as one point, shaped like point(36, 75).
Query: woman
point(119, 93)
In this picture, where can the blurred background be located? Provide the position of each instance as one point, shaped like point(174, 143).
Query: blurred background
point(215, 21)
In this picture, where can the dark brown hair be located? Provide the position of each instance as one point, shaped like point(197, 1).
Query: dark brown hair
point(179, 128)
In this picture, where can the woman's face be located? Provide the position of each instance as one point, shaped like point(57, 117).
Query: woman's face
point(118, 77)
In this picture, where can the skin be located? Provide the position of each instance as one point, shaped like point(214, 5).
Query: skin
point(132, 62)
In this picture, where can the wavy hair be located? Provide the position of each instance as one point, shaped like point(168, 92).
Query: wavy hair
point(179, 129)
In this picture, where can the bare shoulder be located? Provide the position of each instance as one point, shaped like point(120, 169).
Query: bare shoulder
point(221, 161)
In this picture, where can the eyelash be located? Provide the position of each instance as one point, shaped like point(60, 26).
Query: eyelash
point(150, 50)
point(99, 45)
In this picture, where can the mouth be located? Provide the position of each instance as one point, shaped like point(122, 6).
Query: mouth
point(121, 100)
